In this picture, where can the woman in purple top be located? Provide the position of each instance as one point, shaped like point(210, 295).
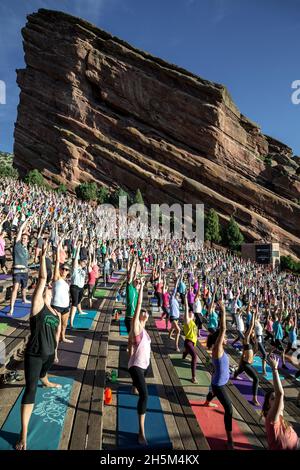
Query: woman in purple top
point(140, 350)
point(221, 374)
point(191, 297)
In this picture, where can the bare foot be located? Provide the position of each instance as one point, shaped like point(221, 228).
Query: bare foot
point(65, 340)
point(195, 381)
point(10, 313)
point(134, 391)
point(177, 350)
point(83, 313)
point(21, 444)
point(210, 404)
point(26, 301)
point(255, 402)
point(51, 385)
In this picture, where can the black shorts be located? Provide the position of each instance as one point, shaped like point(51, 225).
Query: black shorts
point(61, 310)
point(127, 322)
point(174, 319)
point(166, 311)
point(21, 278)
point(76, 295)
point(2, 261)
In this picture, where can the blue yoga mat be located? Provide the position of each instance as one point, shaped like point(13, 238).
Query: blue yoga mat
point(47, 419)
point(84, 322)
point(123, 330)
point(154, 301)
point(20, 310)
point(155, 426)
point(258, 366)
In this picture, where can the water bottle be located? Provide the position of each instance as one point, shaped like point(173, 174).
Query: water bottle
point(107, 396)
point(114, 375)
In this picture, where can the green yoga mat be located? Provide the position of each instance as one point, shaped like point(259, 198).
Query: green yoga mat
point(3, 327)
point(184, 372)
point(47, 419)
point(100, 293)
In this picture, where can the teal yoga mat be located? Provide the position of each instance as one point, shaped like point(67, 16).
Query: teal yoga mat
point(258, 366)
point(47, 420)
point(155, 427)
point(122, 327)
point(84, 322)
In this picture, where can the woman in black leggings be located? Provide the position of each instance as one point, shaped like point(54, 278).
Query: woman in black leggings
point(221, 374)
point(41, 348)
point(249, 343)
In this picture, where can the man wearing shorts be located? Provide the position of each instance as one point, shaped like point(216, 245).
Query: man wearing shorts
point(20, 266)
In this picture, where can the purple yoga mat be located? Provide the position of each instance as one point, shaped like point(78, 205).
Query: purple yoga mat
point(69, 354)
point(290, 367)
point(20, 310)
point(5, 277)
point(245, 388)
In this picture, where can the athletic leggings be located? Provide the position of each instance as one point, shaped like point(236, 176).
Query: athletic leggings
point(138, 380)
point(198, 320)
point(219, 391)
point(36, 368)
point(189, 348)
point(263, 352)
point(251, 372)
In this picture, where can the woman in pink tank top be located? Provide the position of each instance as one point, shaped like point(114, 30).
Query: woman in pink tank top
point(139, 361)
point(280, 434)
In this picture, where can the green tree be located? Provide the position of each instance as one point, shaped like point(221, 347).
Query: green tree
point(35, 177)
point(287, 262)
point(7, 171)
point(120, 192)
point(87, 191)
point(212, 229)
point(234, 236)
point(138, 198)
point(62, 188)
point(102, 195)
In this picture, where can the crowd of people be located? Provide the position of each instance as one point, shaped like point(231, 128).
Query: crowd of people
point(197, 288)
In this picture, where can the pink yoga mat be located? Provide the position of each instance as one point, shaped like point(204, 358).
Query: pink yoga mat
point(211, 421)
point(161, 324)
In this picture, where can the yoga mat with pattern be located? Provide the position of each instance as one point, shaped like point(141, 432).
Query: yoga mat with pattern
point(155, 427)
point(183, 370)
point(47, 420)
point(211, 421)
point(20, 310)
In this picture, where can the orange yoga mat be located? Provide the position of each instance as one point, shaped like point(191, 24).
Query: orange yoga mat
point(211, 421)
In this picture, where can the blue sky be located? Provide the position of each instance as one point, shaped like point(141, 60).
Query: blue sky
point(251, 46)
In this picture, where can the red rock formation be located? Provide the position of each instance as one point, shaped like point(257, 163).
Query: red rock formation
point(93, 108)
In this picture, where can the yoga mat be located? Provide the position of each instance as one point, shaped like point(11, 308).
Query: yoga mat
point(258, 366)
point(5, 277)
point(84, 322)
point(161, 324)
point(183, 370)
point(20, 310)
point(154, 301)
point(290, 367)
point(69, 353)
point(100, 293)
point(211, 421)
point(244, 386)
point(3, 327)
point(155, 427)
point(47, 420)
point(122, 327)
point(113, 279)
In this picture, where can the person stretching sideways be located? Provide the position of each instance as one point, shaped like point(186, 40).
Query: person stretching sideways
point(139, 361)
point(280, 433)
point(41, 348)
point(221, 374)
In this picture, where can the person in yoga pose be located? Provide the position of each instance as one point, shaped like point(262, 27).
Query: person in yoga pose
point(139, 361)
point(221, 374)
point(190, 333)
point(41, 348)
point(249, 349)
point(280, 433)
point(174, 316)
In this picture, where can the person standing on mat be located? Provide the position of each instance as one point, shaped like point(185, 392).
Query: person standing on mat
point(249, 344)
point(139, 361)
point(174, 316)
point(221, 374)
point(131, 293)
point(41, 348)
point(61, 293)
point(280, 433)
point(77, 285)
point(20, 266)
point(190, 333)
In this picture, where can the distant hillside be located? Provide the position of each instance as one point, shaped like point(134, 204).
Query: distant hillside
point(6, 158)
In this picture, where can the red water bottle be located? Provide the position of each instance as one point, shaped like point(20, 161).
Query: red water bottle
point(108, 396)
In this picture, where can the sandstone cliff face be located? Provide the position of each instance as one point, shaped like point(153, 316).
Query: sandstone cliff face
point(93, 108)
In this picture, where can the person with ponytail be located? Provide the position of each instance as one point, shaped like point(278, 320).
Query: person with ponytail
point(280, 433)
